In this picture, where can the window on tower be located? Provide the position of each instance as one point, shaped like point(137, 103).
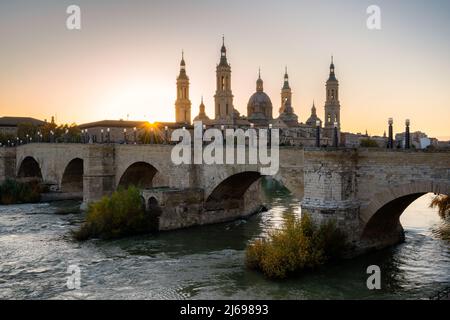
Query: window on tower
point(329, 118)
point(223, 83)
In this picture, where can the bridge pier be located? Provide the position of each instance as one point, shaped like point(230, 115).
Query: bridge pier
point(330, 190)
point(99, 173)
point(7, 163)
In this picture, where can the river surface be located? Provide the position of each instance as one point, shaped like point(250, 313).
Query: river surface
point(36, 251)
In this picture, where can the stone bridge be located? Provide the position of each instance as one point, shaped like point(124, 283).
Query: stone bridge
point(364, 191)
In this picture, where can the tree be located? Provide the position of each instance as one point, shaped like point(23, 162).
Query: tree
point(442, 202)
point(368, 143)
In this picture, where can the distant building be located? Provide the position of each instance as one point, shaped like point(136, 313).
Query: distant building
point(10, 125)
point(353, 140)
point(419, 140)
point(112, 130)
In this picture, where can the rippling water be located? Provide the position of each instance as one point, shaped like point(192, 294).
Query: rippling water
point(204, 262)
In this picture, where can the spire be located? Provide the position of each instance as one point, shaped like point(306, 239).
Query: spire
point(182, 74)
point(223, 53)
point(286, 79)
point(182, 63)
point(259, 82)
point(202, 107)
point(332, 75)
point(313, 109)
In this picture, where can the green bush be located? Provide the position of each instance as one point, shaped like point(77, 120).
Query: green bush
point(120, 215)
point(13, 192)
point(297, 246)
point(368, 143)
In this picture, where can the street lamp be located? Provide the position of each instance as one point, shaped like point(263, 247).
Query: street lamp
point(101, 135)
point(407, 135)
point(269, 139)
point(391, 134)
point(166, 134)
point(108, 135)
point(125, 135)
point(335, 135)
point(135, 135)
point(317, 133)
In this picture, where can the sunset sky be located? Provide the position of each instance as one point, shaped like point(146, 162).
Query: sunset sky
point(126, 58)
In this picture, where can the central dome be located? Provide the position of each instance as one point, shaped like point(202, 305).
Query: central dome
point(259, 107)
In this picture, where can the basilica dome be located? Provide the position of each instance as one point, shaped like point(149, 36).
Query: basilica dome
point(259, 107)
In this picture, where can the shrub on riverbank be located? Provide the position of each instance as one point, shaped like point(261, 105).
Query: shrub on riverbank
point(14, 192)
point(120, 215)
point(299, 245)
point(442, 202)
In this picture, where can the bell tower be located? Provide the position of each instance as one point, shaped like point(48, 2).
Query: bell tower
point(183, 104)
point(286, 93)
point(332, 105)
point(224, 110)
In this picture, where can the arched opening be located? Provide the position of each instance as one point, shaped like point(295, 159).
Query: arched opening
point(155, 211)
point(139, 174)
point(72, 180)
point(385, 223)
point(29, 170)
point(229, 194)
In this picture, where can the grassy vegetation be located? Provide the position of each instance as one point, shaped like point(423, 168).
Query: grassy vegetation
point(13, 192)
point(120, 215)
point(299, 245)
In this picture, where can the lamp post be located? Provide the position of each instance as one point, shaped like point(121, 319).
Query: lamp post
point(317, 134)
point(135, 135)
point(108, 135)
point(335, 135)
point(66, 136)
point(152, 135)
point(125, 135)
point(222, 129)
point(166, 134)
point(101, 135)
point(52, 136)
point(269, 139)
point(407, 135)
point(391, 134)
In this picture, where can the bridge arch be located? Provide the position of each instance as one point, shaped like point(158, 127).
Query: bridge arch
point(140, 174)
point(381, 218)
point(231, 190)
point(29, 169)
point(72, 177)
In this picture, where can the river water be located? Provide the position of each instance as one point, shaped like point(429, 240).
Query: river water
point(204, 262)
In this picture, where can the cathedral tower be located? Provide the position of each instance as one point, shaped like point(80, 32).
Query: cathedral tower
point(183, 104)
point(224, 97)
point(332, 105)
point(286, 93)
